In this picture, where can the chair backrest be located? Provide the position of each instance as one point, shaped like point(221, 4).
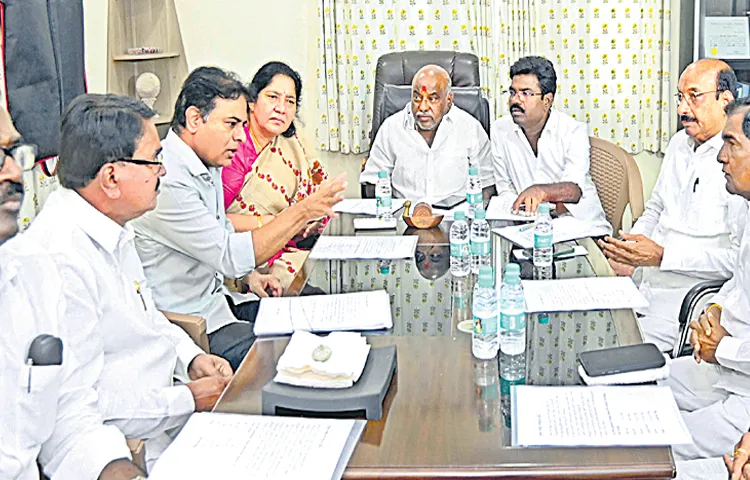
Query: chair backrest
point(617, 179)
point(399, 68)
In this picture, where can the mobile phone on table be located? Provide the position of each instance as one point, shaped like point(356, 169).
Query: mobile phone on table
point(631, 358)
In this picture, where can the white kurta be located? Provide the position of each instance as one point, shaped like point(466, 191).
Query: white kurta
point(418, 170)
point(698, 223)
point(46, 412)
point(562, 155)
point(132, 352)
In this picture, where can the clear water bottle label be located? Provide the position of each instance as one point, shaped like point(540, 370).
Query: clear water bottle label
point(474, 198)
point(506, 384)
point(542, 241)
point(485, 326)
point(459, 249)
point(480, 248)
point(513, 321)
point(383, 202)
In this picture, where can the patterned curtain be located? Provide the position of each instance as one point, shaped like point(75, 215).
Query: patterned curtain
point(612, 59)
point(38, 184)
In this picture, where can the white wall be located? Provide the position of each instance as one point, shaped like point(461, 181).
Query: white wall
point(241, 35)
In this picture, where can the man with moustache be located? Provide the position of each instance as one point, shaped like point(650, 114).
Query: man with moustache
point(540, 154)
point(109, 168)
point(427, 147)
point(690, 229)
point(186, 243)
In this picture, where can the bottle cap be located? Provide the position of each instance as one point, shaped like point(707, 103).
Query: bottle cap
point(544, 208)
point(459, 215)
point(480, 214)
point(512, 274)
point(485, 276)
point(383, 174)
point(473, 170)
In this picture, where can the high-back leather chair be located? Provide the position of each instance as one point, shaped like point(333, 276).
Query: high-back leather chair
point(618, 181)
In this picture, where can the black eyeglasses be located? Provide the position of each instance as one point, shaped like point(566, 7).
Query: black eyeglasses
point(137, 161)
point(24, 154)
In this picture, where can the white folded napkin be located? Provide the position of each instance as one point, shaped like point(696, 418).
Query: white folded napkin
point(343, 368)
point(628, 378)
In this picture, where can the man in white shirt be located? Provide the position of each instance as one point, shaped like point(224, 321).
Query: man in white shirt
point(186, 243)
point(48, 411)
point(714, 390)
point(109, 167)
point(542, 155)
point(427, 147)
point(690, 229)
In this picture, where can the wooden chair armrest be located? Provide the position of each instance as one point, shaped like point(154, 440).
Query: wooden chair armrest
point(193, 325)
point(137, 449)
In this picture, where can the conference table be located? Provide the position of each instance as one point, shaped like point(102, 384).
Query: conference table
point(442, 415)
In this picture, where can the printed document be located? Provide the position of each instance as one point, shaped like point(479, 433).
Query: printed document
point(726, 37)
point(499, 210)
point(596, 416)
point(364, 247)
point(563, 229)
point(324, 313)
point(580, 294)
point(223, 445)
point(364, 206)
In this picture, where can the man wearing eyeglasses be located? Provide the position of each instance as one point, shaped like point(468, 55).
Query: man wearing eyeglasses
point(690, 229)
point(48, 411)
point(110, 170)
point(540, 154)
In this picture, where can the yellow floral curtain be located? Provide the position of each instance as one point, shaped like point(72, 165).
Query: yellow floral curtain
point(611, 57)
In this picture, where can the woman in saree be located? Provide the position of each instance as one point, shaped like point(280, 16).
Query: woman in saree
point(273, 168)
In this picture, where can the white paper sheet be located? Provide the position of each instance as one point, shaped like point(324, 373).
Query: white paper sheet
point(702, 469)
point(580, 294)
point(365, 206)
point(578, 251)
point(726, 37)
point(324, 313)
point(223, 445)
point(374, 223)
point(498, 210)
point(364, 248)
point(596, 416)
point(563, 229)
point(448, 213)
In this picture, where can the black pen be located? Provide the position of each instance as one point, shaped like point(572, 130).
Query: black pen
point(138, 291)
point(695, 184)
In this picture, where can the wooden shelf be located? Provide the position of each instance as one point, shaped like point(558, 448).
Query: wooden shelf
point(144, 56)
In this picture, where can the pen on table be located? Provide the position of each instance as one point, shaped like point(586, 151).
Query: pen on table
point(526, 228)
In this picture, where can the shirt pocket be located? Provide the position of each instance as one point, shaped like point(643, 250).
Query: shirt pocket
point(453, 169)
point(708, 216)
point(38, 396)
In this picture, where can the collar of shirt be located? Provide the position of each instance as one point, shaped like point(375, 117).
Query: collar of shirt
point(410, 122)
point(550, 128)
point(194, 164)
point(99, 227)
point(713, 143)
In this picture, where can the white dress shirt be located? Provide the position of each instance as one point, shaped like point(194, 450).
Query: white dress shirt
point(698, 223)
point(130, 347)
point(46, 412)
point(418, 170)
point(562, 156)
point(186, 244)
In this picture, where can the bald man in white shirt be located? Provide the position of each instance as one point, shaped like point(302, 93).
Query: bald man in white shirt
point(427, 147)
point(48, 410)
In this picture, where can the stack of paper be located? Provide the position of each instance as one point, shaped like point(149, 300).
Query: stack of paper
point(364, 248)
point(563, 229)
point(335, 361)
point(581, 294)
point(596, 416)
point(222, 445)
point(324, 313)
point(365, 206)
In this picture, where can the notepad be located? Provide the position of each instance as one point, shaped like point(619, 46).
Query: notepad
point(563, 229)
point(224, 445)
point(364, 247)
point(364, 206)
point(596, 416)
point(582, 294)
point(324, 313)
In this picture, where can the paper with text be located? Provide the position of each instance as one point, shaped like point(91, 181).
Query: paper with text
point(448, 213)
point(223, 445)
point(324, 313)
point(563, 229)
point(364, 247)
point(499, 210)
point(580, 294)
point(364, 206)
point(596, 416)
point(374, 223)
point(726, 37)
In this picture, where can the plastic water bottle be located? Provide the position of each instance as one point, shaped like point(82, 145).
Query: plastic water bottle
point(461, 293)
point(480, 241)
point(484, 336)
point(474, 191)
point(512, 336)
point(459, 240)
point(543, 243)
point(383, 197)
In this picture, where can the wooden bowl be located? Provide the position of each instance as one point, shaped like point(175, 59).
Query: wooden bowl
point(422, 216)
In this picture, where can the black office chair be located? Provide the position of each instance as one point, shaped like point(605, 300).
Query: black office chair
point(692, 306)
point(395, 72)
